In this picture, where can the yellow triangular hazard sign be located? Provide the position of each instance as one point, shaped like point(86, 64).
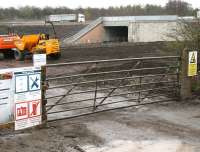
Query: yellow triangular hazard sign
point(193, 58)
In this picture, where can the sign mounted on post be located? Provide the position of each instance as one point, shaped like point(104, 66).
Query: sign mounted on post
point(39, 60)
point(192, 63)
point(27, 97)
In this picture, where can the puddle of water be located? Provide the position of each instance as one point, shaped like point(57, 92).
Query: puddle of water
point(141, 146)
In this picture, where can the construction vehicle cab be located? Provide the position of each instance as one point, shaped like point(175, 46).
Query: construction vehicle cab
point(37, 43)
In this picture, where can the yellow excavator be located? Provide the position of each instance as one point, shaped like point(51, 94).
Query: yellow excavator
point(37, 43)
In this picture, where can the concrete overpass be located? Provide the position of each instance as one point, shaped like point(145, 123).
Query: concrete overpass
point(126, 28)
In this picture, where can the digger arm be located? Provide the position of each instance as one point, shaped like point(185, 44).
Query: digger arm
point(54, 31)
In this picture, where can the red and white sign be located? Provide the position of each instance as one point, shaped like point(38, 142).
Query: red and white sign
point(21, 111)
point(27, 98)
point(34, 108)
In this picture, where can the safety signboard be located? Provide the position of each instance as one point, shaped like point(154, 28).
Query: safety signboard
point(21, 110)
point(27, 114)
point(34, 82)
point(192, 63)
point(6, 102)
point(39, 60)
point(27, 98)
point(21, 83)
point(34, 108)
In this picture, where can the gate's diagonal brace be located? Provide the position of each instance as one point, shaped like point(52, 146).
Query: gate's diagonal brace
point(110, 93)
point(63, 96)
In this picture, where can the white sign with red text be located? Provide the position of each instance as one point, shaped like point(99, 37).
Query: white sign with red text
point(27, 98)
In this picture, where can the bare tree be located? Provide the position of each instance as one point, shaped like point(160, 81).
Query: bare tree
point(179, 7)
point(186, 34)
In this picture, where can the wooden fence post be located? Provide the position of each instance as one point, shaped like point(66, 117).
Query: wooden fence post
point(44, 102)
point(185, 80)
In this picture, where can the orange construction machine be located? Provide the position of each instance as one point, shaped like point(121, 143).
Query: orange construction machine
point(36, 43)
point(19, 47)
point(7, 44)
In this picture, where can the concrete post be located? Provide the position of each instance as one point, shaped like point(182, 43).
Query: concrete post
point(130, 32)
point(185, 80)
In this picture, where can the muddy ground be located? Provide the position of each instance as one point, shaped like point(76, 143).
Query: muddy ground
point(167, 127)
point(172, 127)
point(114, 51)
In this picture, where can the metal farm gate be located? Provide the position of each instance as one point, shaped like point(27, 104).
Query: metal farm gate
point(83, 88)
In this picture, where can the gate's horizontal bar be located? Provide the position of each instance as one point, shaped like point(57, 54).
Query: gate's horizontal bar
point(114, 60)
point(87, 107)
point(106, 80)
point(110, 72)
point(142, 98)
point(122, 94)
point(119, 87)
point(111, 109)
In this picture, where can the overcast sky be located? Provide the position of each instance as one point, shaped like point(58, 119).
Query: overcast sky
point(86, 3)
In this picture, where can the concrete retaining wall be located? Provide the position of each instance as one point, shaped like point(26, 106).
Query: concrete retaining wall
point(150, 31)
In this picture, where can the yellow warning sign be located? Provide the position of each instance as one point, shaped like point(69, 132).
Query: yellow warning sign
point(193, 58)
point(192, 66)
